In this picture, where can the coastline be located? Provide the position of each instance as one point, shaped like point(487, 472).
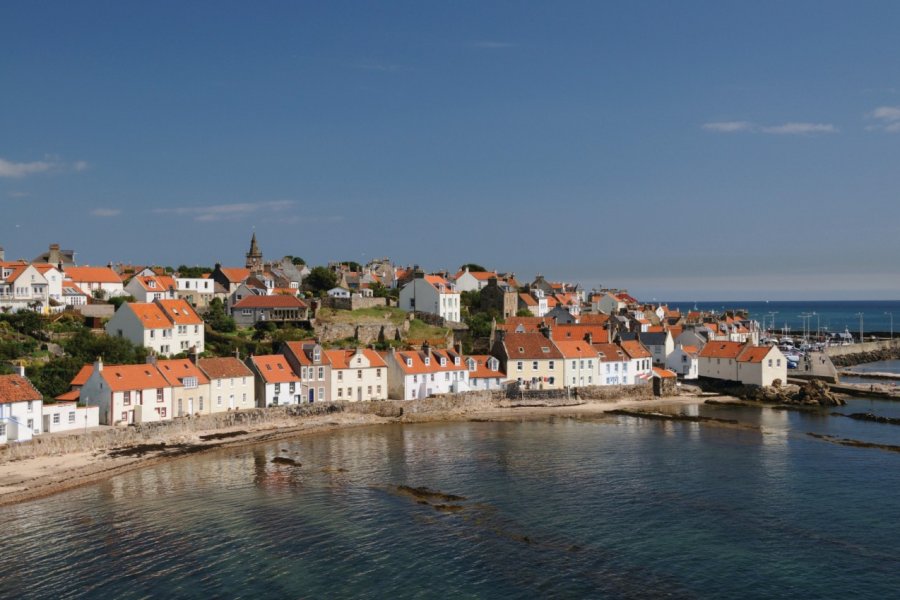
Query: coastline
point(34, 478)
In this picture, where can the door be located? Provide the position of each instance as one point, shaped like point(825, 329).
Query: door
point(190, 406)
point(231, 401)
point(359, 394)
point(312, 395)
point(180, 407)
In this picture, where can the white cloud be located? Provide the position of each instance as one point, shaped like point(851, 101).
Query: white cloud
point(106, 212)
point(226, 212)
point(17, 170)
point(800, 128)
point(728, 126)
point(792, 128)
point(887, 119)
point(490, 44)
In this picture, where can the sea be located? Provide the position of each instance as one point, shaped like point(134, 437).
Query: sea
point(834, 316)
point(616, 507)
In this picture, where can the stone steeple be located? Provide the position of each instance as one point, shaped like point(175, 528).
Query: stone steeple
point(254, 257)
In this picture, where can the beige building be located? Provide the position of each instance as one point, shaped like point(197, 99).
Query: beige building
point(744, 363)
point(231, 384)
point(531, 359)
point(357, 375)
point(190, 387)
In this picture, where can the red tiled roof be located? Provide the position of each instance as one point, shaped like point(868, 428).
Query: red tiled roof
point(635, 349)
point(227, 367)
point(121, 378)
point(721, 349)
point(274, 368)
point(578, 331)
point(235, 274)
point(754, 354)
point(531, 346)
point(175, 370)
point(150, 315)
point(82, 376)
point(70, 396)
point(576, 349)
point(180, 312)
point(340, 359)
point(481, 369)
point(664, 373)
point(15, 388)
point(92, 274)
point(610, 353)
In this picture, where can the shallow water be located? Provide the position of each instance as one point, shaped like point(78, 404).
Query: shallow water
point(625, 508)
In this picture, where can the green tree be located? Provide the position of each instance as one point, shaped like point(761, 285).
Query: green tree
point(379, 290)
point(192, 272)
point(296, 260)
point(473, 267)
point(320, 280)
point(524, 312)
point(118, 301)
point(217, 318)
point(352, 265)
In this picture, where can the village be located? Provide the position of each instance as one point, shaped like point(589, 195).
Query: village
point(208, 340)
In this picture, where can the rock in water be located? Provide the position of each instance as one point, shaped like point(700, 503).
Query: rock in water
point(817, 393)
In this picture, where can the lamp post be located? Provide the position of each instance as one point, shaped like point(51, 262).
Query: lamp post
point(860, 315)
point(892, 324)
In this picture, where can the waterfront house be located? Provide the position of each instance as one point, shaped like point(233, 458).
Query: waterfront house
point(531, 359)
point(685, 361)
point(232, 385)
point(307, 357)
point(190, 387)
point(357, 375)
point(612, 365)
point(579, 357)
point(165, 326)
point(431, 294)
point(414, 374)
point(742, 362)
point(20, 409)
point(485, 372)
point(128, 394)
point(640, 365)
point(64, 414)
point(276, 382)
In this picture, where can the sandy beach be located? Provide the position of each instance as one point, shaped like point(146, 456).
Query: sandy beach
point(33, 478)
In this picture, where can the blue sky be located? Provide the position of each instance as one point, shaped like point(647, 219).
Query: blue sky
point(687, 151)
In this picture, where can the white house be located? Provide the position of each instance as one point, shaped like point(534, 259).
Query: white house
point(472, 281)
point(128, 394)
point(66, 415)
point(23, 287)
point(612, 365)
point(640, 365)
point(660, 345)
point(684, 361)
point(96, 279)
point(338, 292)
point(420, 374)
point(276, 382)
point(150, 288)
point(20, 409)
point(744, 363)
point(72, 295)
point(357, 375)
point(485, 372)
point(165, 326)
point(431, 294)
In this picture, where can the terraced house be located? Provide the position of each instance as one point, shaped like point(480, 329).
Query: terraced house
point(190, 387)
point(20, 409)
point(357, 375)
point(307, 358)
point(426, 372)
point(128, 393)
point(276, 382)
point(232, 385)
point(165, 326)
point(531, 359)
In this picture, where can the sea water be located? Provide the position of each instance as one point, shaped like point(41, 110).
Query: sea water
point(562, 508)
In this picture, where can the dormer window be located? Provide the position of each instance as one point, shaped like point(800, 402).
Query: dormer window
point(317, 355)
point(151, 284)
point(456, 360)
point(443, 362)
point(545, 349)
point(427, 361)
point(408, 362)
point(471, 364)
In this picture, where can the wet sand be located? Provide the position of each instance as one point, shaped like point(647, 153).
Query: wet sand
point(33, 478)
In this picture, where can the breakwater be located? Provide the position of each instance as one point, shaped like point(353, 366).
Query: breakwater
point(856, 354)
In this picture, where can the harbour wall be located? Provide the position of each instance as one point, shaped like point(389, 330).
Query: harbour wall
point(855, 354)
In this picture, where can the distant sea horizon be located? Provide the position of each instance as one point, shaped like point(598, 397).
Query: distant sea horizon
point(829, 315)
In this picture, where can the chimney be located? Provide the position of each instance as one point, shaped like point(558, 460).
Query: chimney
point(193, 355)
point(237, 353)
point(98, 366)
point(426, 348)
point(2, 254)
point(19, 370)
point(589, 338)
point(151, 359)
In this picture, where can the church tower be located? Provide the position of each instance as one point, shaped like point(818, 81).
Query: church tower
point(254, 257)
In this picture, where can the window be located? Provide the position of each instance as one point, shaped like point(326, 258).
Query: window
point(274, 400)
point(201, 402)
point(159, 397)
point(534, 365)
point(218, 383)
point(219, 400)
point(292, 387)
point(162, 412)
point(56, 419)
point(777, 362)
point(321, 372)
point(30, 406)
point(359, 374)
point(244, 397)
point(574, 364)
point(340, 392)
point(321, 394)
point(432, 376)
point(126, 398)
point(552, 379)
point(519, 366)
point(551, 366)
point(770, 362)
point(415, 379)
point(124, 416)
point(246, 312)
point(377, 372)
point(340, 375)
point(369, 390)
point(378, 389)
point(277, 388)
point(71, 417)
point(447, 376)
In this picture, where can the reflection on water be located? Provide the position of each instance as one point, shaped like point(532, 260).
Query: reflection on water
point(625, 508)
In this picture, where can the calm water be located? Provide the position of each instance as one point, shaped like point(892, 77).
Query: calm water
point(833, 316)
point(566, 508)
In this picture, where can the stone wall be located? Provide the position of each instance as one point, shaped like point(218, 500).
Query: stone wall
point(354, 302)
point(366, 334)
point(855, 354)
